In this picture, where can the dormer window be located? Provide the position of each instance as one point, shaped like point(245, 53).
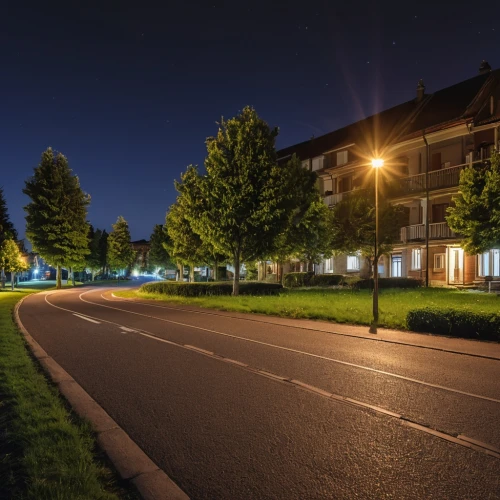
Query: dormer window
point(341, 158)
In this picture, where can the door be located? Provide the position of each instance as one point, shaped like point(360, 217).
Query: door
point(396, 265)
point(456, 266)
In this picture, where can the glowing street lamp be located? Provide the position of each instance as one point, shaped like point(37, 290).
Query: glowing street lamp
point(377, 163)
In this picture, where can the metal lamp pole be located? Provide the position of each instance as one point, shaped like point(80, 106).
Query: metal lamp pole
point(376, 164)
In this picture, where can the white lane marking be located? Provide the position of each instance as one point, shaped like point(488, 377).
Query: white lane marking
point(303, 327)
point(88, 319)
point(461, 440)
point(296, 351)
point(125, 329)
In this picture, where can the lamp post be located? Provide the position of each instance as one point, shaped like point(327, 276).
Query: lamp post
point(376, 164)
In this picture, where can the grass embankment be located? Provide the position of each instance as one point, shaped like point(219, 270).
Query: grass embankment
point(341, 306)
point(46, 451)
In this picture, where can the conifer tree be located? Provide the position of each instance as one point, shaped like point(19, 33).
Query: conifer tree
point(56, 220)
point(120, 252)
point(7, 230)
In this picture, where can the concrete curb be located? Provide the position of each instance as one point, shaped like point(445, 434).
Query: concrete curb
point(128, 459)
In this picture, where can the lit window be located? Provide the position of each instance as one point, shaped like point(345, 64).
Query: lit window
point(484, 264)
point(341, 157)
point(396, 261)
point(329, 265)
point(353, 262)
point(439, 260)
point(415, 259)
point(495, 254)
point(317, 163)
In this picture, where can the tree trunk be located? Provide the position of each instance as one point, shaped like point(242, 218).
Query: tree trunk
point(12, 280)
point(58, 277)
point(216, 269)
point(3, 278)
point(73, 276)
point(236, 279)
point(93, 275)
point(191, 273)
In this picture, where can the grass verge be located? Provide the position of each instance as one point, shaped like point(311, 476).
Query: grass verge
point(341, 306)
point(47, 452)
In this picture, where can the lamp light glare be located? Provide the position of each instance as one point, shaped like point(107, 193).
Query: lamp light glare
point(377, 163)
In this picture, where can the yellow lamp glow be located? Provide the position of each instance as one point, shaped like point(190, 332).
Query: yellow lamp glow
point(377, 163)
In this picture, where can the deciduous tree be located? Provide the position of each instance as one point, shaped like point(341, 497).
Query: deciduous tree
point(158, 254)
point(475, 213)
point(7, 230)
point(11, 259)
point(56, 220)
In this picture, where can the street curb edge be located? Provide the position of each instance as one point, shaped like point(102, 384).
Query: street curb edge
point(127, 457)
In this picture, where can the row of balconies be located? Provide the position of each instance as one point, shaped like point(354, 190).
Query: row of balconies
point(437, 231)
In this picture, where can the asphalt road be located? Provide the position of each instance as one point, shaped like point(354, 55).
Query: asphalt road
point(236, 408)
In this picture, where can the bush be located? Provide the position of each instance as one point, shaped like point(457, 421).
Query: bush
point(388, 283)
point(464, 324)
point(183, 289)
point(326, 280)
point(293, 280)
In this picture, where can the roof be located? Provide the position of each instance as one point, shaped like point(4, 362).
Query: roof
point(459, 102)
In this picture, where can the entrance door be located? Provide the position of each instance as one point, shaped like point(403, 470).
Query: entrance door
point(456, 266)
point(396, 266)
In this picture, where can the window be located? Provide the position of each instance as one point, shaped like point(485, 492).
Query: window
point(317, 163)
point(329, 265)
point(484, 264)
point(396, 266)
point(341, 157)
point(353, 262)
point(415, 258)
point(439, 260)
point(495, 254)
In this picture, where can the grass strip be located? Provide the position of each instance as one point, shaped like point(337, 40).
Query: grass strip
point(339, 305)
point(47, 452)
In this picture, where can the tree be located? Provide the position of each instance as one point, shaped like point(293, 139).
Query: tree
point(475, 213)
point(306, 235)
point(120, 251)
point(103, 250)
point(158, 254)
point(94, 258)
point(353, 226)
point(7, 230)
point(11, 259)
point(56, 220)
point(183, 244)
point(243, 192)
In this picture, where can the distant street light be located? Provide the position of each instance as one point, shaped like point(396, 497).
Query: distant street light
point(377, 163)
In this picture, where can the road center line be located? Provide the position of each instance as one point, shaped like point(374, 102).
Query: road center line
point(461, 440)
point(81, 316)
point(296, 351)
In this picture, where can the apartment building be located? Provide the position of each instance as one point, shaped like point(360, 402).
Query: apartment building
point(425, 144)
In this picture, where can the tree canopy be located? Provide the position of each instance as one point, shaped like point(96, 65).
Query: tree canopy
point(353, 226)
point(11, 259)
point(475, 213)
point(56, 220)
point(7, 230)
point(120, 252)
point(158, 254)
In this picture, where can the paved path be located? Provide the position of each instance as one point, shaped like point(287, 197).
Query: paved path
point(235, 406)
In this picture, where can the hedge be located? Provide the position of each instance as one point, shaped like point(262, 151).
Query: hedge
point(183, 289)
point(292, 280)
point(326, 280)
point(388, 283)
point(464, 324)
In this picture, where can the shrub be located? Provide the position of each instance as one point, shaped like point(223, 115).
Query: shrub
point(388, 283)
point(326, 280)
point(293, 280)
point(465, 324)
point(183, 289)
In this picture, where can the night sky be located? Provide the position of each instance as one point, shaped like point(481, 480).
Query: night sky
point(129, 94)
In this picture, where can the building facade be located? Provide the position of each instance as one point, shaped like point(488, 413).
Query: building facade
point(425, 143)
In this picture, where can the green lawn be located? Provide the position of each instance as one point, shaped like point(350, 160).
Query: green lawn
point(46, 451)
point(341, 306)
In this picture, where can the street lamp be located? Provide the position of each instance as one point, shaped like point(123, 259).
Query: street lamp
point(376, 164)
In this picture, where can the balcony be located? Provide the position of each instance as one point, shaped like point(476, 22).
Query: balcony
point(333, 199)
point(437, 231)
point(437, 179)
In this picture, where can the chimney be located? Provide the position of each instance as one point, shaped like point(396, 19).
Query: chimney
point(484, 68)
point(420, 90)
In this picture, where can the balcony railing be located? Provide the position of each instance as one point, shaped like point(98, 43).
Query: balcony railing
point(333, 199)
point(437, 231)
point(438, 179)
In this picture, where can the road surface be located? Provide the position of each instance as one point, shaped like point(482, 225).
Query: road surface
point(237, 407)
